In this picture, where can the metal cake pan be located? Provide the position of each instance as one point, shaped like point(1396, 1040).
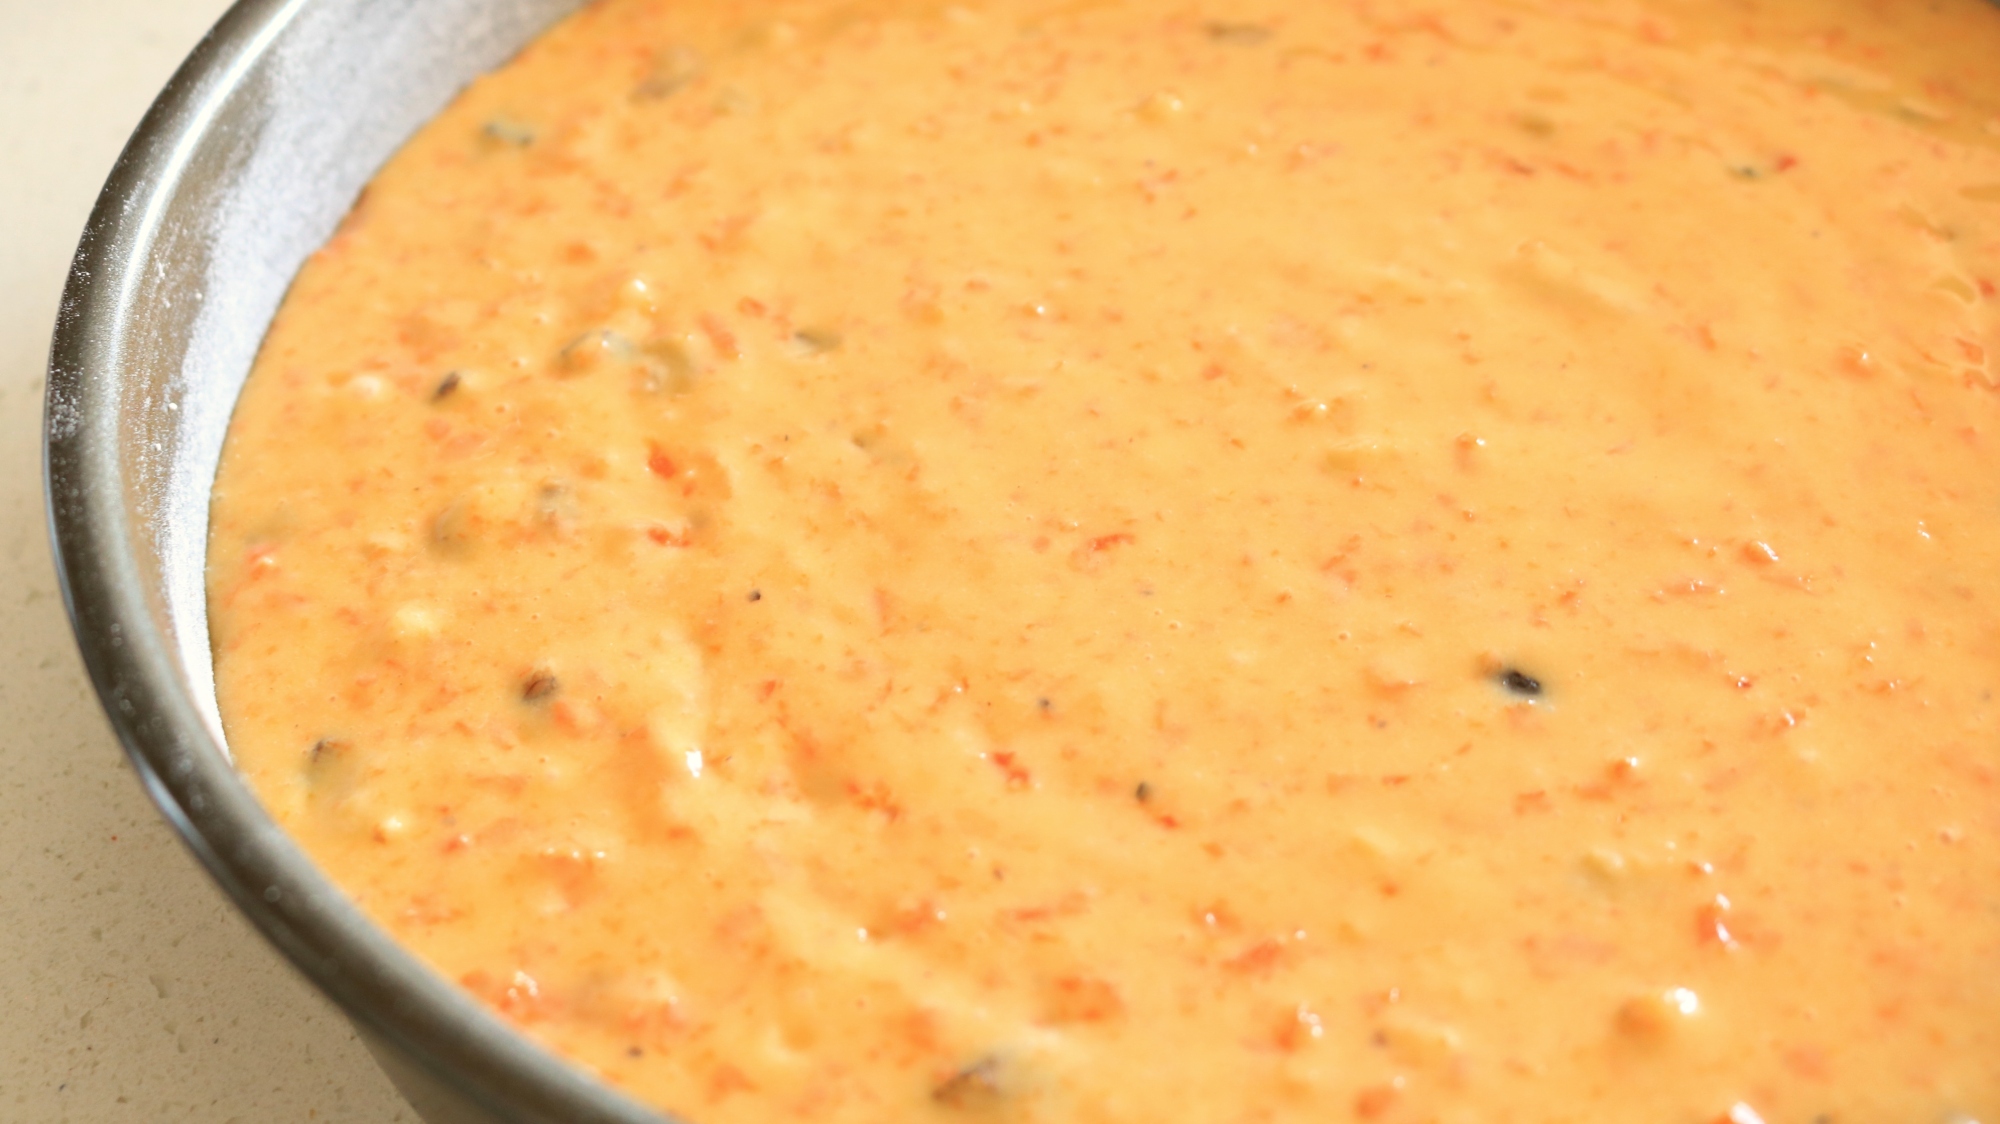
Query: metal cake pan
point(244, 166)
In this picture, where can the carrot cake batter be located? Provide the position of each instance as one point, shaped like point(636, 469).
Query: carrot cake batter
point(1115, 562)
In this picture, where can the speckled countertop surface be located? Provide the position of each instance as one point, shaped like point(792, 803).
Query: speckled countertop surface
point(129, 990)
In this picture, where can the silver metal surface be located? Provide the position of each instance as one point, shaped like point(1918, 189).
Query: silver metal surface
point(246, 163)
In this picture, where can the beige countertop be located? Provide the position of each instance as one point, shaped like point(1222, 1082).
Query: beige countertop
point(131, 990)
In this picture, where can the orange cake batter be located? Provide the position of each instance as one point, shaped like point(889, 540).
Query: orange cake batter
point(1114, 562)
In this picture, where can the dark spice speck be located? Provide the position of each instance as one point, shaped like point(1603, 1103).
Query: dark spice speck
point(1240, 34)
point(1521, 683)
point(976, 1086)
point(508, 132)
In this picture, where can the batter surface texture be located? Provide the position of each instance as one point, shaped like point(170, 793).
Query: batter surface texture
point(1119, 562)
